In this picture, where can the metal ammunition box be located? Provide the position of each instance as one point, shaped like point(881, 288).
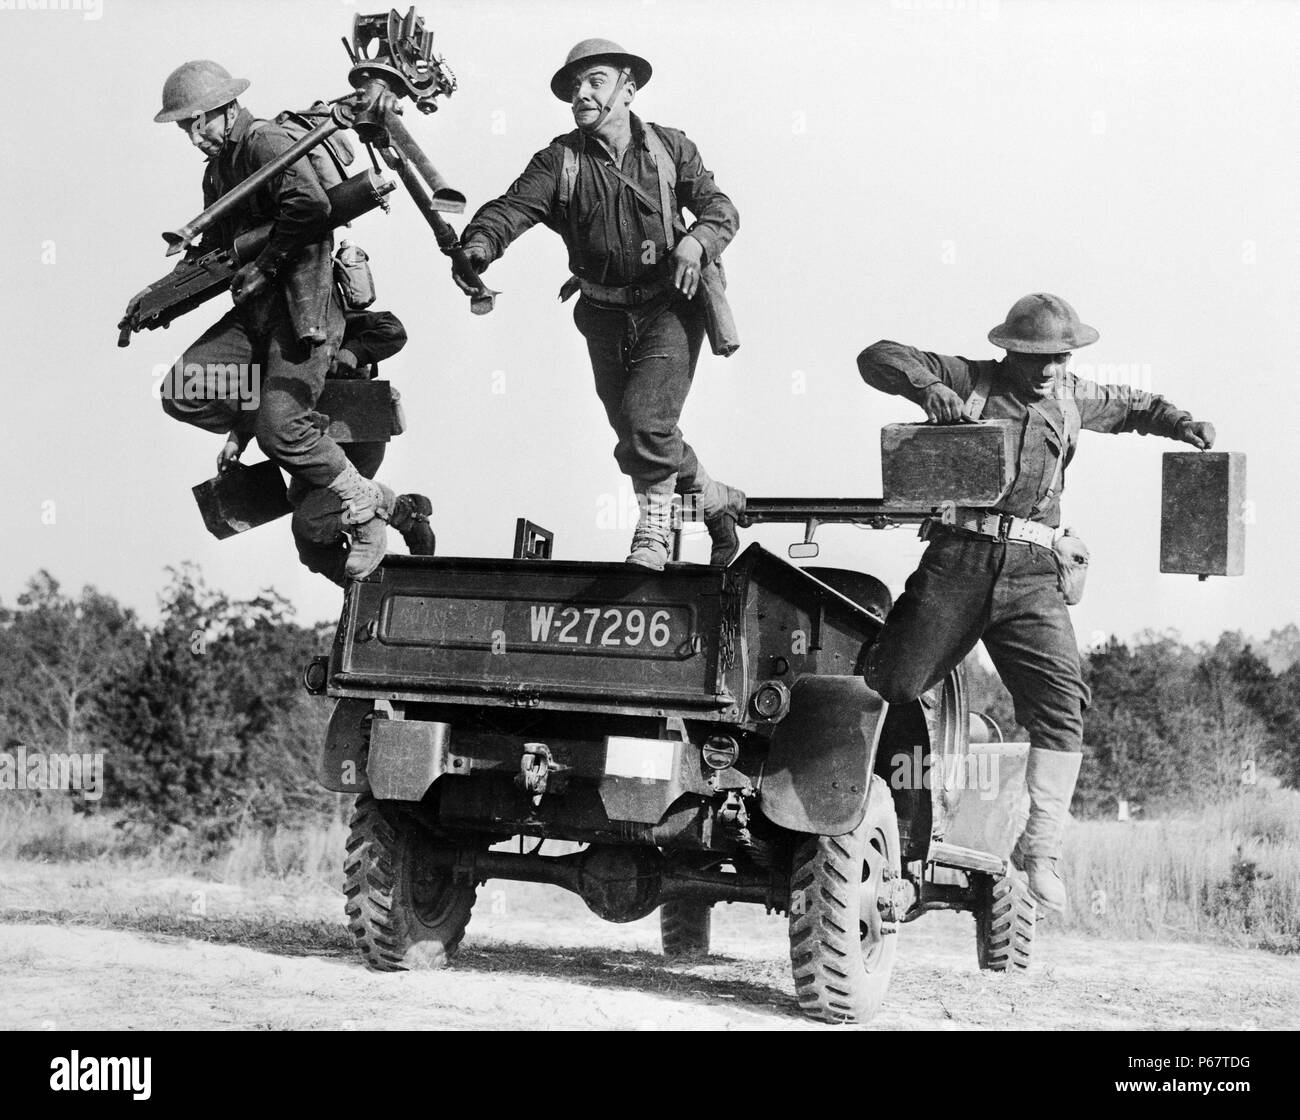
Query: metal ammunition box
point(1203, 513)
point(360, 411)
point(242, 498)
point(969, 464)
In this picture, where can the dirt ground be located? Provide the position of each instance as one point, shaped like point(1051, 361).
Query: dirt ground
point(91, 947)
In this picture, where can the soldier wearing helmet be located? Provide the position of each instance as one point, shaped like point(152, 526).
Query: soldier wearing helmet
point(603, 189)
point(999, 576)
point(287, 322)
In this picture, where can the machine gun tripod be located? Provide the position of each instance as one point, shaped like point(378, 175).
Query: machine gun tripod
point(392, 59)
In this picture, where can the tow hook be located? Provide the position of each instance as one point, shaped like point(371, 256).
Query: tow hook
point(536, 767)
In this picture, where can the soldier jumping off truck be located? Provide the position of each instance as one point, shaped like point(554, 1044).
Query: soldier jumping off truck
point(651, 287)
point(288, 320)
point(994, 574)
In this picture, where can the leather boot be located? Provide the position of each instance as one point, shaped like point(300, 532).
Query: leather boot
point(654, 526)
point(367, 505)
point(723, 508)
point(1050, 777)
point(410, 517)
point(362, 497)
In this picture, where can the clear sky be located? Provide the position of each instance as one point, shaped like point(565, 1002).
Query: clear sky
point(903, 169)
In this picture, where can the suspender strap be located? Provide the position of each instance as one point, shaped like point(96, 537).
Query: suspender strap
point(979, 395)
point(665, 172)
point(662, 160)
point(1046, 498)
point(568, 179)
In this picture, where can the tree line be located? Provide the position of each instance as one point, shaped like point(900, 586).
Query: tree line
point(205, 728)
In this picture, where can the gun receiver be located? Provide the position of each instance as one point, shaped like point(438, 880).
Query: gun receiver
point(194, 282)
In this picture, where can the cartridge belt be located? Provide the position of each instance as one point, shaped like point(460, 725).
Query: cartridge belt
point(623, 295)
point(996, 526)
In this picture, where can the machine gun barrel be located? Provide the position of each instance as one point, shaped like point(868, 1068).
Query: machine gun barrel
point(193, 283)
point(182, 238)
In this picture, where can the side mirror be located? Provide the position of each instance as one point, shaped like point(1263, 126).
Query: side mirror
point(808, 550)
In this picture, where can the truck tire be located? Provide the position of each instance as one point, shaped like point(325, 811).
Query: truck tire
point(401, 914)
point(842, 946)
point(1004, 923)
point(684, 928)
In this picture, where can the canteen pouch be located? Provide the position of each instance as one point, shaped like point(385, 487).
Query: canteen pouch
point(1072, 557)
point(352, 275)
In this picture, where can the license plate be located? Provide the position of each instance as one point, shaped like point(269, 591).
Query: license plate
point(631, 629)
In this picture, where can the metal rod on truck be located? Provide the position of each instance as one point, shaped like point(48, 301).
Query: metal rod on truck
point(875, 512)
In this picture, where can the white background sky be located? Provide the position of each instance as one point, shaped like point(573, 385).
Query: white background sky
point(902, 169)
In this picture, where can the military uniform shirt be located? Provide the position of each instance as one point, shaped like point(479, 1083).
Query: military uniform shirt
point(908, 372)
point(609, 229)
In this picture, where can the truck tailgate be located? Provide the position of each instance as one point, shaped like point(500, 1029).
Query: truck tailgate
point(527, 631)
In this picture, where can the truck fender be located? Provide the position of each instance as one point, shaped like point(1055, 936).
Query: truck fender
point(819, 765)
point(342, 765)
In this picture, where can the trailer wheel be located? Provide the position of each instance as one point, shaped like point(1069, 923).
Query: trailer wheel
point(402, 912)
point(842, 942)
point(1004, 923)
point(684, 928)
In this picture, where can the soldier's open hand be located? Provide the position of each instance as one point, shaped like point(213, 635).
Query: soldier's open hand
point(686, 266)
point(1199, 433)
point(942, 405)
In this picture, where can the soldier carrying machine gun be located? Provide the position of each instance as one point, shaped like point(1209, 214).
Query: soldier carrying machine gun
point(266, 236)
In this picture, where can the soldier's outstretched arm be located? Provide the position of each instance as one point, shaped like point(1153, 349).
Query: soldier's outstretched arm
point(1123, 408)
point(939, 383)
point(530, 199)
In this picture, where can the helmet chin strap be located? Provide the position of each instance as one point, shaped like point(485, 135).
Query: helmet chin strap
point(200, 122)
point(609, 104)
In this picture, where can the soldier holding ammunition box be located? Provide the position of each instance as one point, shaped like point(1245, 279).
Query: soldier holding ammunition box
point(1004, 576)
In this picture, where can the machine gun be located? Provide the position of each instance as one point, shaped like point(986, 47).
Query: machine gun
point(198, 279)
point(392, 58)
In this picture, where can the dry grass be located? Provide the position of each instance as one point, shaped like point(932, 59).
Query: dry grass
point(49, 831)
point(1230, 874)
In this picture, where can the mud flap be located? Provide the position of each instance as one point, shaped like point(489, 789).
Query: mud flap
point(407, 756)
point(819, 766)
point(342, 766)
point(645, 777)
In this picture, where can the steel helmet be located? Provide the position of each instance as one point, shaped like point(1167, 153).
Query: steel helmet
point(591, 51)
point(1042, 324)
point(195, 87)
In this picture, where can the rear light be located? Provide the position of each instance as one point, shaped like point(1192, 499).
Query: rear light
point(316, 675)
point(772, 700)
point(720, 752)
